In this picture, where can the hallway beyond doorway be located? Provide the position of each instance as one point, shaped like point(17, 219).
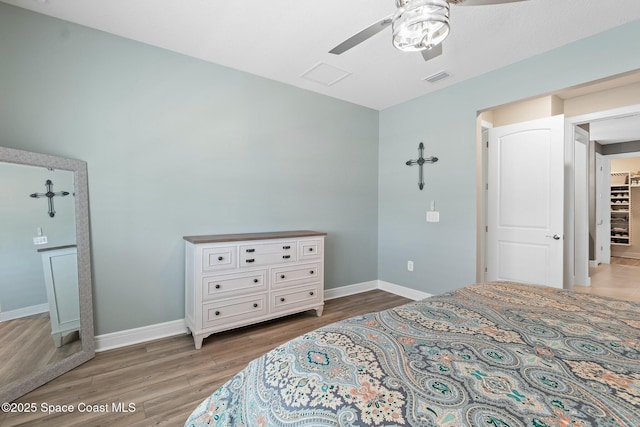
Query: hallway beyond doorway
point(620, 279)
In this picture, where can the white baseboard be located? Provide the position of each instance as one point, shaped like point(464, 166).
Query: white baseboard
point(593, 263)
point(625, 254)
point(403, 291)
point(139, 335)
point(177, 327)
point(345, 291)
point(24, 312)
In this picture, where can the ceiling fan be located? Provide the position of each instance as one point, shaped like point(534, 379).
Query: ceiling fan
point(417, 25)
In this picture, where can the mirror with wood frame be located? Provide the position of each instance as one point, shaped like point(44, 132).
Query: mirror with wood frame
point(46, 307)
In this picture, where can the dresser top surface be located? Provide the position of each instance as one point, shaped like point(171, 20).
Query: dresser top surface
point(217, 238)
point(56, 248)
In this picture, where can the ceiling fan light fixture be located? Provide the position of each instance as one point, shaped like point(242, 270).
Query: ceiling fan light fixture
point(420, 24)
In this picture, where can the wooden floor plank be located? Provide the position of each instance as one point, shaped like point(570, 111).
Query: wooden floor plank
point(26, 346)
point(620, 279)
point(166, 379)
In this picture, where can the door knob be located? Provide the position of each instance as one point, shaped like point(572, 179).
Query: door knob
point(554, 237)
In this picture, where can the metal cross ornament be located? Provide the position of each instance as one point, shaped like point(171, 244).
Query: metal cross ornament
point(50, 195)
point(421, 161)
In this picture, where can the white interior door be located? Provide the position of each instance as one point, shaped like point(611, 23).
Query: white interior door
point(525, 202)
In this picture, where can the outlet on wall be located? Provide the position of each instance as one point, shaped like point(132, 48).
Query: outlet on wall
point(410, 265)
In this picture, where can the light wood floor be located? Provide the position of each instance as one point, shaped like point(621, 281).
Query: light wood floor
point(26, 345)
point(620, 279)
point(166, 379)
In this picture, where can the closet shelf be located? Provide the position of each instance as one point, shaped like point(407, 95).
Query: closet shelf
point(621, 207)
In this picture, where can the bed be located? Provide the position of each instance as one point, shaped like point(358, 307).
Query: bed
point(494, 355)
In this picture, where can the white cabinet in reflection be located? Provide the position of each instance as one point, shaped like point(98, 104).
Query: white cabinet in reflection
point(60, 266)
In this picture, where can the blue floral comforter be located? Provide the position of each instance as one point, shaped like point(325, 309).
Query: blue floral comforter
point(491, 355)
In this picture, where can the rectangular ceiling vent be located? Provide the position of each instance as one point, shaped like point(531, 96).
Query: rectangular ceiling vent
point(437, 77)
point(325, 74)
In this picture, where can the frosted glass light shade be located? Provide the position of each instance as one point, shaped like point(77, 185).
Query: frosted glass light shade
point(420, 24)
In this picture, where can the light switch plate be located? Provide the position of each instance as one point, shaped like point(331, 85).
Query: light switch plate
point(433, 216)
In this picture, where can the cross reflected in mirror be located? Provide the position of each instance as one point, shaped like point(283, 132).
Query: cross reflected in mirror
point(50, 195)
point(420, 161)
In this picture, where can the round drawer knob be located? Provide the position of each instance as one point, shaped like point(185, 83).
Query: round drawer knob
point(311, 272)
point(220, 258)
point(281, 299)
point(311, 293)
point(282, 276)
point(217, 313)
point(255, 305)
point(310, 249)
point(217, 286)
point(255, 280)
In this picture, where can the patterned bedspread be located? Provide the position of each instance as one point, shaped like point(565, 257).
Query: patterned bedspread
point(491, 355)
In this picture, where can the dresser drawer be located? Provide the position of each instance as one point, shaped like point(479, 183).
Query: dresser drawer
point(295, 275)
point(226, 285)
point(310, 250)
point(288, 299)
point(267, 253)
point(231, 311)
point(219, 258)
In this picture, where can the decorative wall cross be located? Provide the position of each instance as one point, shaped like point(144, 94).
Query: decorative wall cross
point(50, 195)
point(421, 161)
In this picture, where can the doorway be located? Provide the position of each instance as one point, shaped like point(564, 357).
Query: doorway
point(613, 178)
point(570, 199)
point(615, 269)
point(615, 146)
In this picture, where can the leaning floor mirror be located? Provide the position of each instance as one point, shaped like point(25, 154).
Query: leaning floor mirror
point(46, 307)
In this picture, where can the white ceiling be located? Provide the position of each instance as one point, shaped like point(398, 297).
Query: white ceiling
point(612, 131)
point(283, 39)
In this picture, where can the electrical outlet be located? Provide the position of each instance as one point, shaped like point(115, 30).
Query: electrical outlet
point(41, 240)
point(410, 265)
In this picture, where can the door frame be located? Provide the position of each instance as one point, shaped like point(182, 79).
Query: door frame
point(571, 124)
point(482, 201)
point(602, 238)
point(581, 206)
point(607, 159)
point(569, 190)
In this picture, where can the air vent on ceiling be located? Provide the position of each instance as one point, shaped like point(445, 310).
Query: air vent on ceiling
point(437, 77)
point(325, 74)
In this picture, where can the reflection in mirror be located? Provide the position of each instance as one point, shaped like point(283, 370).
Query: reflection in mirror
point(46, 320)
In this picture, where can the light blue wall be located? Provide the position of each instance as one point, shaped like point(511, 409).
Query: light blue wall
point(444, 253)
point(176, 146)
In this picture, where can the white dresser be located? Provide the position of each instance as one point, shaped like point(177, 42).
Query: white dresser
point(233, 280)
point(60, 265)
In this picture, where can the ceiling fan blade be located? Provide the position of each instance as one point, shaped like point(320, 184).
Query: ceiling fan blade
point(481, 2)
point(428, 54)
point(363, 35)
